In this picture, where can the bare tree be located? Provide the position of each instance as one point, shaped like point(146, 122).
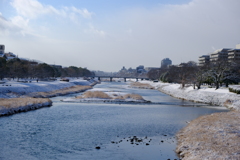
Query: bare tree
point(218, 71)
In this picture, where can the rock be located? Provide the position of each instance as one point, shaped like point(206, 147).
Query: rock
point(98, 147)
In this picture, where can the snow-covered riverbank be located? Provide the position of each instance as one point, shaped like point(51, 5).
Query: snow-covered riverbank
point(16, 96)
point(220, 97)
point(214, 136)
point(14, 89)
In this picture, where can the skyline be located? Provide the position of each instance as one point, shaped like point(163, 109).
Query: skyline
point(106, 35)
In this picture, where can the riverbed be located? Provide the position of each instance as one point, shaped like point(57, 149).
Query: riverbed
point(70, 130)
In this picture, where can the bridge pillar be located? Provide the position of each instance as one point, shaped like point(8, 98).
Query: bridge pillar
point(136, 79)
point(111, 79)
point(99, 78)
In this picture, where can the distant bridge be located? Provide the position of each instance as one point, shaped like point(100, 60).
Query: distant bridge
point(124, 77)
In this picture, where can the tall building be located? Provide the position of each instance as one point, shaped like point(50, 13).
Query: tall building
point(220, 54)
point(166, 62)
point(2, 49)
point(234, 55)
point(204, 59)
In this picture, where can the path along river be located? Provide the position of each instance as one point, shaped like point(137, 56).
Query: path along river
point(74, 130)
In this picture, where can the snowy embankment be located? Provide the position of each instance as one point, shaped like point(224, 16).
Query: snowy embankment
point(214, 136)
point(16, 96)
point(13, 89)
point(17, 105)
point(220, 97)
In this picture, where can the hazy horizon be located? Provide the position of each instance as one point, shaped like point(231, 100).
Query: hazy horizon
point(107, 35)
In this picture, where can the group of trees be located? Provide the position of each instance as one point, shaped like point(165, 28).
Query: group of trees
point(17, 68)
point(213, 73)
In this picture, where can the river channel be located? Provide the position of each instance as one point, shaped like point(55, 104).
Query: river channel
point(71, 130)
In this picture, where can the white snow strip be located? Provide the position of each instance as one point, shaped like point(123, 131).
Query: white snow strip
point(221, 96)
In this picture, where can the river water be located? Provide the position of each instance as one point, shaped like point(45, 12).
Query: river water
point(122, 131)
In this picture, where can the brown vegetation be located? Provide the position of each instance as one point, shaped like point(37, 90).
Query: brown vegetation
point(214, 136)
point(21, 102)
point(100, 94)
point(132, 96)
point(64, 91)
point(94, 94)
point(141, 85)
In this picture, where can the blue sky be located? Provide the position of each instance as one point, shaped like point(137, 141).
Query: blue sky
point(108, 34)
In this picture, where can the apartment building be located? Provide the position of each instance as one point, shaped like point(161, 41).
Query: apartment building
point(234, 55)
point(204, 59)
point(220, 54)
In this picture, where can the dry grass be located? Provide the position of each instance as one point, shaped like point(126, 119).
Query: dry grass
point(94, 94)
point(215, 136)
point(21, 102)
point(132, 96)
point(64, 91)
point(141, 85)
point(100, 94)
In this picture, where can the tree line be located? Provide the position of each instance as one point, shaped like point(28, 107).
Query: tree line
point(18, 68)
point(214, 73)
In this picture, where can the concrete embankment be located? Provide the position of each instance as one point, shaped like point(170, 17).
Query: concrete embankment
point(214, 136)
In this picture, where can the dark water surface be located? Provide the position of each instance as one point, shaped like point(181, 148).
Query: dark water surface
point(73, 130)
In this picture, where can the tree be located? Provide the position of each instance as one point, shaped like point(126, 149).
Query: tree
point(3, 68)
point(219, 71)
point(44, 71)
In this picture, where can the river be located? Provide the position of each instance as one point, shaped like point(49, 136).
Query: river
point(122, 131)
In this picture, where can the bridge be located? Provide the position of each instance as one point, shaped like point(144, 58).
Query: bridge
point(124, 77)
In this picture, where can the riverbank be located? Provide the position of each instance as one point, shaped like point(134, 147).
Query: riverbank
point(220, 97)
point(17, 105)
point(214, 136)
point(17, 97)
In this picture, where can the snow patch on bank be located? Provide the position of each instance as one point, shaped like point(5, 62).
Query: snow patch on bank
point(13, 89)
point(221, 96)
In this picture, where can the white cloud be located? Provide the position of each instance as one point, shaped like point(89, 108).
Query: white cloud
point(95, 31)
point(32, 8)
point(84, 12)
point(22, 24)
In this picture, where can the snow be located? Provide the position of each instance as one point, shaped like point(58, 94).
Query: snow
point(12, 89)
point(221, 96)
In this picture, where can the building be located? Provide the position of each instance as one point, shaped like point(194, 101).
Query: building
point(220, 54)
point(204, 59)
point(10, 55)
point(234, 55)
point(165, 63)
point(2, 49)
point(140, 69)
